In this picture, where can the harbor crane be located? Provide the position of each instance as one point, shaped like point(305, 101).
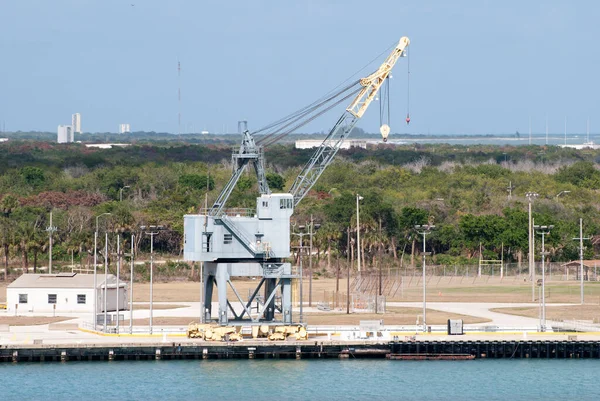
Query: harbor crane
point(255, 243)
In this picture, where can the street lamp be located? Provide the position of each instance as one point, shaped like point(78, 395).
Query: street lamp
point(530, 197)
point(121, 192)
point(95, 268)
point(562, 193)
point(358, 198)
point(151, 233)
point(543, 230)
point(424, 230)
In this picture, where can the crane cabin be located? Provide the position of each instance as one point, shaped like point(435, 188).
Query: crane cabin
point(241, 234)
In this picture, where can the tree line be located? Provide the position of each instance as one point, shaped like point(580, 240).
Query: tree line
point(474, 196)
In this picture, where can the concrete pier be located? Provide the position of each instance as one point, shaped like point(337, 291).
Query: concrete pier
point(512, 349)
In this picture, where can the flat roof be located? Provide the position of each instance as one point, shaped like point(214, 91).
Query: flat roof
point(62, 280)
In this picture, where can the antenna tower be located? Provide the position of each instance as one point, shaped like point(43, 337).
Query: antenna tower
point(178, 98)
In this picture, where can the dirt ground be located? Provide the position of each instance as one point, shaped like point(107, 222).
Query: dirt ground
point(31, 320)
point(571, 312)
point(139, 306)
point(409, 289)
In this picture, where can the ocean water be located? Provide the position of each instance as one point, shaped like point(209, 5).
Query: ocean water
point(302, 380)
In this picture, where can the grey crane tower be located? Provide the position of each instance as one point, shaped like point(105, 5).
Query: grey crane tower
point(234, 242)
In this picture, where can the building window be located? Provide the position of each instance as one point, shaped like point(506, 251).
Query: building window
point(227, 238)
point(265, 203)
point(81, 298)
point(22, 298)
point(285, 203)
point(51, 298)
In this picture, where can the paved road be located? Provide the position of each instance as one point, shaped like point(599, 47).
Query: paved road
point(27, 334)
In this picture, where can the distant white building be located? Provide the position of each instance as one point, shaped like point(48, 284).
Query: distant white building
point(64, 292)
point(124, 128)
point(65, 134)
point(315, 143)
point(76, 122)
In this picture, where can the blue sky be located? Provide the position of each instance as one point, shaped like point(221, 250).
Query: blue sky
point(477, 67)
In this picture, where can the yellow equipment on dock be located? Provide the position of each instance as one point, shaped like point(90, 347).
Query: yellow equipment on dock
point(213, 332)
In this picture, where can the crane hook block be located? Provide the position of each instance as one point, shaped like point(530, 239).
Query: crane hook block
point(407, 119)
point(385, 131)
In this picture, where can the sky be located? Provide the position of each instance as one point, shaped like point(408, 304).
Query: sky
point(476, 67)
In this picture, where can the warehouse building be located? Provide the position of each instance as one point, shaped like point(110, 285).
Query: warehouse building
point(64, 292)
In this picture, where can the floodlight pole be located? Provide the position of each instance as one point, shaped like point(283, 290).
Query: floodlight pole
point(151, 234)
point(95, 271)
point(530, 196)
point(105, 276)
point(51, 229)
point(581, 248)
point(424, 230)
point(118, 277)
point(131, 289)
point(543, 231)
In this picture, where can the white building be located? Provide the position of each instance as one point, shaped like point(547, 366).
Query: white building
point(65, 134)
point(315, 143)
point(124, 128)
point(63, 292)
point(76, 122)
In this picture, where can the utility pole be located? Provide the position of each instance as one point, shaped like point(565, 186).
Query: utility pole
point(510, 189)
point(581, 248)
point(51, 229)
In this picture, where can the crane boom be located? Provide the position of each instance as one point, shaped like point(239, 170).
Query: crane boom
point(324, 155)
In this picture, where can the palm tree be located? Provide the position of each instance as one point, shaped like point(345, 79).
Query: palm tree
point(7, 231)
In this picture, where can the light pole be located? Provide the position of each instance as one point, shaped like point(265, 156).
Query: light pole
point(118, 277)
point(424, 230)
point(105, 275)
point(530, 197)
point(562, 193)
point(581, 248)
point(358, 198)
point(131, 288)
point(311, 226)
point(121, 192)
point(95, 269)
point(151, 234)
point(543, 230)
point(51, 229)
point(301, 234)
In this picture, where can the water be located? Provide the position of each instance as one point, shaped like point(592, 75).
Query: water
point(302, 380)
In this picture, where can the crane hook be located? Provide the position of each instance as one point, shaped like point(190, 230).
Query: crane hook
point(407, 119)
